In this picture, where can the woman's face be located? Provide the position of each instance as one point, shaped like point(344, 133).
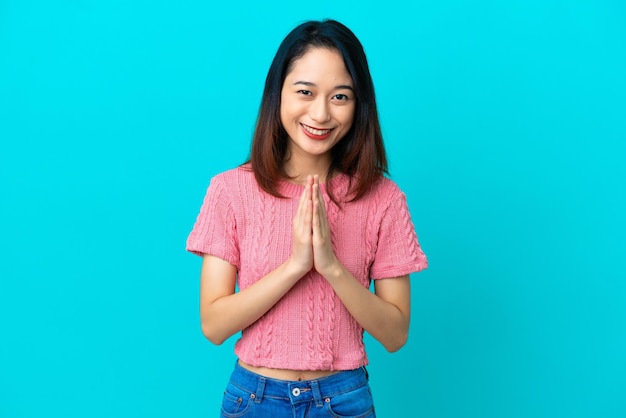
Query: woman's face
point(317, 103)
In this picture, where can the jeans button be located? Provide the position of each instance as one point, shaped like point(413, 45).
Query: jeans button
point(295, 392)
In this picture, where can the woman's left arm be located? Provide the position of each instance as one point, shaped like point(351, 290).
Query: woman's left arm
point(385, 314)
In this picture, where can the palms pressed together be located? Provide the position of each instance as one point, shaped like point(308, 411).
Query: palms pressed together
point(312, 245)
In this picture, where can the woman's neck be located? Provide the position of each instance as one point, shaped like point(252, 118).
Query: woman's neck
point(299, 168)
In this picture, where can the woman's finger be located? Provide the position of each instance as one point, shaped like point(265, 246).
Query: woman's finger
point(308, 210)
point(316, 217)
point(321, 207)
point(300, 208)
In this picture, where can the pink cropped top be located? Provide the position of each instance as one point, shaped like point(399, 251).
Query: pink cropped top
point(309, 328)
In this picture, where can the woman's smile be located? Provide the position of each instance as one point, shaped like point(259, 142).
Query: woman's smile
point(314, 133)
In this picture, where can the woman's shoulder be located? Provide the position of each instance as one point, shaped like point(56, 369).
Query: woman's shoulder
point(232, 185)
point(235, 177)
point(381, 195)
point(385, 189)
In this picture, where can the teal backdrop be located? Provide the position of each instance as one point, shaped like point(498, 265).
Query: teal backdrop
point(505, 126)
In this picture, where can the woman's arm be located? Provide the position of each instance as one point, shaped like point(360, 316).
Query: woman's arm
point(385, 315)
point(224, 312)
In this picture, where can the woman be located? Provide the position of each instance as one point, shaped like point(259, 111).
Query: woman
point(302, 228)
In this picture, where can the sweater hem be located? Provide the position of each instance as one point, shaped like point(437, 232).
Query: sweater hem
point(400, 271)
point(337, 366)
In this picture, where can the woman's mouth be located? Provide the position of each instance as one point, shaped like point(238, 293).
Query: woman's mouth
point(314, 133)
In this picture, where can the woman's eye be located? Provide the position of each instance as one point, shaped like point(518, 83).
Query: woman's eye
point(305, 92)
point(340, 97)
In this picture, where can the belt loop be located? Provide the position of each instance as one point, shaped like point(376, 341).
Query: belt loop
point(315, 388)
point(367, 375)
point(258, 396)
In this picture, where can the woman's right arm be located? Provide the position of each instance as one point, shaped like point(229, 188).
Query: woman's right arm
point(224, 312)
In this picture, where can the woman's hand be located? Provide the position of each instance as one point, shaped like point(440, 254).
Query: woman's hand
point(302, 251)
point(324, 259)
point(312, 244)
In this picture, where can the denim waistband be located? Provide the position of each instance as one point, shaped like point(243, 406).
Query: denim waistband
point(297, 390)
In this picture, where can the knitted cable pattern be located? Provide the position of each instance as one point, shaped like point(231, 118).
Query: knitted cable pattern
point(310, 318)
point(260, 254)
point(269, 329)
point(329, 331)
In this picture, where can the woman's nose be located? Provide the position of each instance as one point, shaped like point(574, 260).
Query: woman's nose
point(319, 111)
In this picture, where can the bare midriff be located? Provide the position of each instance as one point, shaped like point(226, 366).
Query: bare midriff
point(285, 374)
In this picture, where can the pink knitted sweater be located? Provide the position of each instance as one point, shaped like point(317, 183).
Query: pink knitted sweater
point(309, 328)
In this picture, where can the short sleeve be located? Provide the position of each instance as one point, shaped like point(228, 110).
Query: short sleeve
point(215, 230)
point(398, 251)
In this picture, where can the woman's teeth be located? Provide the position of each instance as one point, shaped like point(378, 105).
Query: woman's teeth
point(316, 131)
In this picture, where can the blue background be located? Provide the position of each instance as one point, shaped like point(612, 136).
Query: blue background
point(504, 123)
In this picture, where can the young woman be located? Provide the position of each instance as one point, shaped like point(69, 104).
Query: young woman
point(302, 228)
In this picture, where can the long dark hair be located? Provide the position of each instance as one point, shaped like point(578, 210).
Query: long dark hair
point(361, 153)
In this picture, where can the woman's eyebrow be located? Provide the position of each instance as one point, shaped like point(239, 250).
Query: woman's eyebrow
point(309, 84)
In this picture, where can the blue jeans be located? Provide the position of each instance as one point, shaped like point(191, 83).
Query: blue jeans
point(344, 395)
